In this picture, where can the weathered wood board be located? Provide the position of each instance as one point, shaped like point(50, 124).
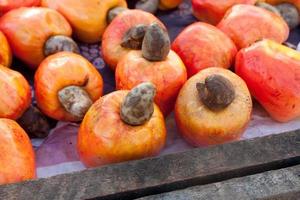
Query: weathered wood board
point(166, 173)
point(271, 185)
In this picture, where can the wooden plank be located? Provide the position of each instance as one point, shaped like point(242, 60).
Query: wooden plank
point(278, 184)
point(166, 173)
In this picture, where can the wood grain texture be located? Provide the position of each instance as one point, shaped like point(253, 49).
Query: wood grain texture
point(166, 173)
point(271, 185)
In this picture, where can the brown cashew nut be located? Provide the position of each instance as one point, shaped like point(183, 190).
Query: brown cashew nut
point(60, 43)
point(150, 6)
point(34, 123)
point(133, 38)
point(289, 13)
point(156, 43)
point(138, 107)
point(268, 7)
point(75, 100)
point(216, 93)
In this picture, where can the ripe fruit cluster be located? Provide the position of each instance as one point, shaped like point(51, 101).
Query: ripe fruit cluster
point(209, 75)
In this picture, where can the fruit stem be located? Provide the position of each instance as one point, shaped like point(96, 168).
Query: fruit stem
point(138, 107)
point(75, 100)
point(60, 43)
point(216, 93)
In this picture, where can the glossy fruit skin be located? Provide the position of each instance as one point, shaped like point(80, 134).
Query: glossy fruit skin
point(169, 4)
point(202, 127)
point(104, 138)
point(272, 73)
point(168, 76)
point(112, 50)
point(202, 45)
point(88, 18)
point(58, 71)
point(27, 30)
point(16, 94)
point(242, 22)
point(17, 159)
point(213, 11)
point(5, 51)
point(8, 5)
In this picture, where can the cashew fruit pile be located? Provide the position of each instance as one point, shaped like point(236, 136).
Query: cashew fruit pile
point(232, 55)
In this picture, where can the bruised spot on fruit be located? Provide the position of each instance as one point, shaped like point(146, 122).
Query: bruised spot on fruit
point(137, 108)
point(150, 6)
point(156, 43)
point(34, 123)
point(60, 43)
point(112, 13)
point(268, 7)
point(75, 100)
point(216, 93)
point(290, 14)
point(133, 38)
